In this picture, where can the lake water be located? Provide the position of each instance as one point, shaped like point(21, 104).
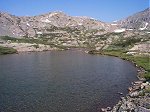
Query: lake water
point(62, 81)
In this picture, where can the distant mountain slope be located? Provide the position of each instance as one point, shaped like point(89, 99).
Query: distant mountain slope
point(30, 26)
point(138, 21)
point(53, 22)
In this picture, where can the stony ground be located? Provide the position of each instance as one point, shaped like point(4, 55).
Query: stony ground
point(138, 99)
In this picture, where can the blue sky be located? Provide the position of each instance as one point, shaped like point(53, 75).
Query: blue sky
point(104, 10)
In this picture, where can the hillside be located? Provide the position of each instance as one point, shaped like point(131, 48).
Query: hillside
point(43, 24)
point(138, 21)
point(59, 30)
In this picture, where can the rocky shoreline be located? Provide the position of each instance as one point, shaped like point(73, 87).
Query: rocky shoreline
point(138, 98)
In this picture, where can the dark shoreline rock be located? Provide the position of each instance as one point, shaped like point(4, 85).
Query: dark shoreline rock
point(137, 100)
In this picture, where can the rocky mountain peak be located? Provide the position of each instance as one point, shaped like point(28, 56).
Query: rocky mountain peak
point(138, 21)
point(31, 25)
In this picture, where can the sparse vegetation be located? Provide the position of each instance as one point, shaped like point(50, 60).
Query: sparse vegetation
point(7, 50)
point(141, 61)
point(147, 90)
point(147, 75)
point(126, 42)
point(24, 40)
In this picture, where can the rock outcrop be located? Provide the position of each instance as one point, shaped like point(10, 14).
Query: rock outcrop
point(138, 99)
point(138, 21)
point(46, 23)
point(30, 26)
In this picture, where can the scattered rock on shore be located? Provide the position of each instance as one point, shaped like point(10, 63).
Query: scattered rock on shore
point(138, 100)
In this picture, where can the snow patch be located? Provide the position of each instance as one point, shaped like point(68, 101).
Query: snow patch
point(80, 24)
point(113, 24)
point(93, 18)
point(39, 32)
point(119, 30)
point(52, 14)
point(130, 29)
point(28, 24)
point(46, 20)
point(144, 26)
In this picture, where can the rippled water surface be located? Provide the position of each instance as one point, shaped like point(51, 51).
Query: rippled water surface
point(62, 81)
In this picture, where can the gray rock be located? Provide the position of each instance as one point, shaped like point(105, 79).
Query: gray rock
point(138, 21)
point(134, 94)
point(29, 26)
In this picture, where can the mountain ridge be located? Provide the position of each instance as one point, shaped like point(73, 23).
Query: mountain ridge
point(45, 20)
point(29, 26)
point(137, 20)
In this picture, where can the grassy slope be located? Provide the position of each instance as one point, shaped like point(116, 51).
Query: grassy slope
point(141, 61)
point(7, 50)
point(25, 40)
point(31, 40)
